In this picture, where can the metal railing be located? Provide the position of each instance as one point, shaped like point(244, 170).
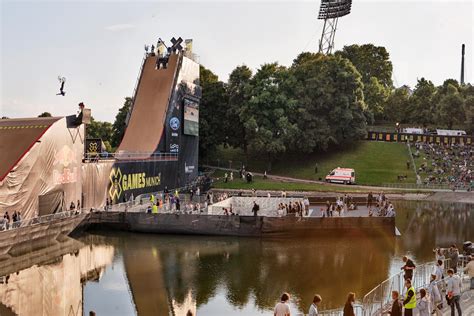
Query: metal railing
point(4, 225)
point(137, 82)
point(458, 187)
point(358, 311)
point(379, 299)
point(92, 157)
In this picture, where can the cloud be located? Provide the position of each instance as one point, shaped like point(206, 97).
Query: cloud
point(119, 27)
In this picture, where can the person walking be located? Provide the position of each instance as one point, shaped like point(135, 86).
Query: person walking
point(438, 270)
point(435, 296)
point(469, 270)
point(328, 209)
point(370, 198)
point(410, 301)
point(397, 307)
point(409, 267)
point(424, 304)
point(255, 208)
point(453, 289)
point(306, 205)
point(282, 308)
point(454, 256)
point(313, 309)
point(349, 306)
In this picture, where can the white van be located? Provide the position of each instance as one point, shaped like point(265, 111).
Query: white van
point(341, 175)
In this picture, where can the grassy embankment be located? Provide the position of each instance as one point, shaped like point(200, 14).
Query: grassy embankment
point(375, 163)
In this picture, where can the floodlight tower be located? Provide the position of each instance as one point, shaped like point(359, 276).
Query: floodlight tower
point(330, 11)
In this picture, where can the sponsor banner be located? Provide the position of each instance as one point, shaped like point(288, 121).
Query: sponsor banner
point(65, 166)
point(188, 169)
point(425, 138)
point(191, 117)
point(93, 146)
point(174, 123)
point(134, 178)
point(174, 148)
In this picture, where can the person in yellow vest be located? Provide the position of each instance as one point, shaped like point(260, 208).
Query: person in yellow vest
point(410, 300)
point(154, 209)
point(152, 198)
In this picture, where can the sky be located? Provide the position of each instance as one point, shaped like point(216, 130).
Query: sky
point(99, 45)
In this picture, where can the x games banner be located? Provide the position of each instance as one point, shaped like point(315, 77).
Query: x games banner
point(127, 178)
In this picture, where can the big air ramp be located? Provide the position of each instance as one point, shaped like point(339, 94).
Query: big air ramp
point(147, 121)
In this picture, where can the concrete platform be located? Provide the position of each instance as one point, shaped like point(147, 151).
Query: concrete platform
point(361, 211)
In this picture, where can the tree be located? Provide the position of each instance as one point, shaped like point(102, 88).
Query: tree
point(45, 114)
point(397, 105)
point(374, 65)
point(212, 112)
point(375, 96)
point(98, 129)
point(422, 107)
point(119, 126)
point(370, 61)
point(238, 90)
point(329, 94)
point(268, 128)
point(469, 109)
point(451, 107)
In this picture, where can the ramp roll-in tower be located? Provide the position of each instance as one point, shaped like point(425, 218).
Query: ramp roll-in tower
point(330, 11)
point(160, 146)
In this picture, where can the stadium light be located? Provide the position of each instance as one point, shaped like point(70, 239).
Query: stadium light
point(330, 11)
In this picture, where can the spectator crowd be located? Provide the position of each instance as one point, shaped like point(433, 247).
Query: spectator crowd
point(448, 164)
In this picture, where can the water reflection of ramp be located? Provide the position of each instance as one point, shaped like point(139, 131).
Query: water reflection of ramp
point(54, 288)
point(163, 270)
point(146, 125)
point(160, 272)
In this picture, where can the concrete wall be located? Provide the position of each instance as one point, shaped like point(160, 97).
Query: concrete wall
point(25, 239)
point(259, 226)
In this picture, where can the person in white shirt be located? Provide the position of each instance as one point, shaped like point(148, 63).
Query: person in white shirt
point(282, 308)
point(438, 270)
point(453, 289)
point(313, 309)
point(306, 205)
point(435, 296)
point(469, 270)
point(423, 304)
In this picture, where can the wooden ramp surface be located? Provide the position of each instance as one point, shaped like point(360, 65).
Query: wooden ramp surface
point(146, 125)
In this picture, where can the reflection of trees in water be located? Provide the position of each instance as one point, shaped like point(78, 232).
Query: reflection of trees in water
point(261, 269)
point(425, 225)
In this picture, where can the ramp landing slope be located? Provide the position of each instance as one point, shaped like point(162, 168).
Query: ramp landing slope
point(17, 136)
point(146, 125)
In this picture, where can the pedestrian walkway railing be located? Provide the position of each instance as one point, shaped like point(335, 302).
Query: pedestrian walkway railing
point(358, 311)
point(379, 298)
point(4, 225)
point(129, 155)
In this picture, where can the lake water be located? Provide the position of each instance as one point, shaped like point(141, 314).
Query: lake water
point(116, 273)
